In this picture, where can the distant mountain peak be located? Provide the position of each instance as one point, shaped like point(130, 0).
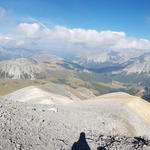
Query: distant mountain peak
point(36, 67)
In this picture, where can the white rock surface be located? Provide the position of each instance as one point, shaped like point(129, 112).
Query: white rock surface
point(35, 95)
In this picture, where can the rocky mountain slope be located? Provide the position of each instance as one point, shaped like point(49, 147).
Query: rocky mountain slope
point(139, 65)
point(79, 93)
point(50, 93)
point(111, 61)
point(110, 121)
point(40, 66)
point(105, 58)
point(19, 68)
point(35, 95)
point(102, 57)
point(37, 67)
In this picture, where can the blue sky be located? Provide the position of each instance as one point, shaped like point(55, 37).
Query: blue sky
point(129, 16)
point(75, 25)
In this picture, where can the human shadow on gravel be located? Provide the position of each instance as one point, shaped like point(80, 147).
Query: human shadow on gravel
point(81, 144)
point(101, 148)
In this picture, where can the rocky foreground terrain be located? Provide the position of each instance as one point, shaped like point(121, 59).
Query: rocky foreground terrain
point(109, 122)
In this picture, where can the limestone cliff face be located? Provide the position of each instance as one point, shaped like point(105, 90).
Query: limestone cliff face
point(19, 69)
point(139, 65)
point(35, 67)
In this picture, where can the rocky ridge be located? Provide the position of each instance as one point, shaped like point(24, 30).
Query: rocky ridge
point(36, 67)
point(107, 124)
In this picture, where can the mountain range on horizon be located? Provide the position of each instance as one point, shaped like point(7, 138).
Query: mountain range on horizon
point(109, 72)
point(110, 61)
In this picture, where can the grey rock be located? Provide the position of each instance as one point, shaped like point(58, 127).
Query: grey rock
point(25, 126)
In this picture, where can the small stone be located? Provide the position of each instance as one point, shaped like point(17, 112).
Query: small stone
point(34, 109)
point(18, 146)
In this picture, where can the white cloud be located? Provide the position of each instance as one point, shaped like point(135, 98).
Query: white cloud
point(92, 39)
point(20, 42)
point(29, 30)
point(132, 43)
point(36, 36)
point(88, 37)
